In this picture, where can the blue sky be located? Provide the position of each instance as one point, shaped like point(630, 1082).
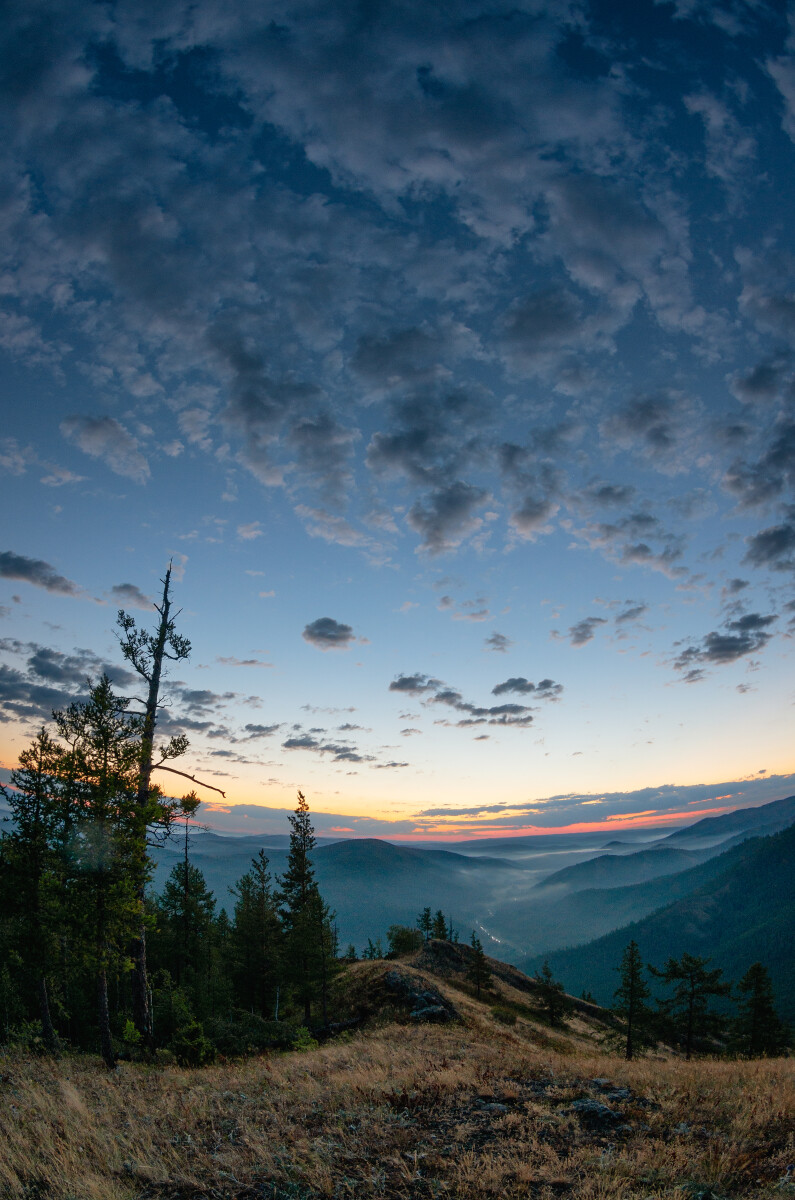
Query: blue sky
point(448, 352)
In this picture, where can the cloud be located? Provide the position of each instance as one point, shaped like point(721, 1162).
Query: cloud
point(433, 691)
point(106, 439)
point(229, 660)
point(36, 572)
point(328, 634)
point(337, 751)
point(745, 635)
point(773, 547)
point(546, 689)
point(446, 517)
point(498, 642)
point(414, 685)
point(49, 679)
point(633, 612)
point(129, 594)
point(584, 630)
point(260, 731)
point(247, 533)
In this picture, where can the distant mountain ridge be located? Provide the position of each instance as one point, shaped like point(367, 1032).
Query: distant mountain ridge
point(744, 912)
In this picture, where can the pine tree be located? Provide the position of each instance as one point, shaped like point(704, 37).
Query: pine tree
point(554, 1001)
point(308, 935)
point(29, 862)
point(373, 949)
point(425, 923)
point(757, 1030)
point(478, 972)
point(255, 939)
point(631, 996)
point(103, 758)
point(439, 929)
point(688, 1007)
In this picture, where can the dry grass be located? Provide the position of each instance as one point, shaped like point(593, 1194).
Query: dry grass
point(398, 1111)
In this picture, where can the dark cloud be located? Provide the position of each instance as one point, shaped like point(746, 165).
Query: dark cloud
point(745, 635)
point(336, 751)
point(609, 495)
point(328, 634)
point(755, 484)
point(583, 632)
point(543, 322)
point(655, 424)
point(434, 691)
point(446, 517)
point(414, 685)
point(632, 612)
point(498, 642)
point(546, 689)
point(129, 594)
point(773, 547)
point(760, 385)
point(37, 572)
point(259, 731)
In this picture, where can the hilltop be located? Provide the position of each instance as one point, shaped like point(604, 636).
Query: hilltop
point(405, 1109)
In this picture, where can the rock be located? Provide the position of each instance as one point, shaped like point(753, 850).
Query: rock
point(493, 1107)
point(595, 1115)
point(431, 1012)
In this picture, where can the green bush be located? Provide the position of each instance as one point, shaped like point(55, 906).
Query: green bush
point(244, 1033)
point(504, 1016)
point(303, 1039)
point(191, 1047)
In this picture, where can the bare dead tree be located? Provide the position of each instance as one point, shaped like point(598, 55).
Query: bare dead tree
point(147, 653)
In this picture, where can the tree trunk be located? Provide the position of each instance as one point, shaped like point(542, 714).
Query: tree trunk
point(142, 1012)
point(103, 1016)
point(50, 1038)
point(142, 1015)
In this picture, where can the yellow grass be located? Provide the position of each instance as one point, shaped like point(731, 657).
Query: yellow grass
point(399, 1112)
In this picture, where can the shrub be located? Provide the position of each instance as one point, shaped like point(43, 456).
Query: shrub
point(191, 1047)
point(243, 1033)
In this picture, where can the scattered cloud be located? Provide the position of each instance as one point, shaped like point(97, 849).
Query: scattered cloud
point(104, 438)
point(130, 595)
point(328, 634)
point(36, 572)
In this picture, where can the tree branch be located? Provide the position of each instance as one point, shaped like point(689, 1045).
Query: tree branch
point(160, 767)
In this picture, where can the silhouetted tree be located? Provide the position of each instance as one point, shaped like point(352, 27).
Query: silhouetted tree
point(757, 1030)
point(29, 866)
point(308, 935)
point(425, 923)
point(630, 1001)
point(255, 939)
point(104, 748)
point(146, 654)
point(373, 949)
point(554, 1001)
point(439, 929)
point(402, 939)
point(688, 1008)
point(478, 972)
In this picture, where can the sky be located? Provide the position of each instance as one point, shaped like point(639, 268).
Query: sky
point(447, 351)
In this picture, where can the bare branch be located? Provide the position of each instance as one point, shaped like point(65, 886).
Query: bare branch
point(193, 779)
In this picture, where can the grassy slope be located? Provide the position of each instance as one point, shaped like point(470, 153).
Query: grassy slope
point(745, 914)
point(400, 1111)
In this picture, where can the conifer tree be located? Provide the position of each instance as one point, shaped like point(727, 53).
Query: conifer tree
point(29, 865)
point(104, 750)
point(554, 1001)
point(631, 996)
point(308, 936)
point(757, 1030)
point(478, 972)
point(688, 1007)
point(439, 929)
point(255, 939)
point(425, 923)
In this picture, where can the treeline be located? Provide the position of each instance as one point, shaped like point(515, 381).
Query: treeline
point(74, 866)
point(87, 955)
